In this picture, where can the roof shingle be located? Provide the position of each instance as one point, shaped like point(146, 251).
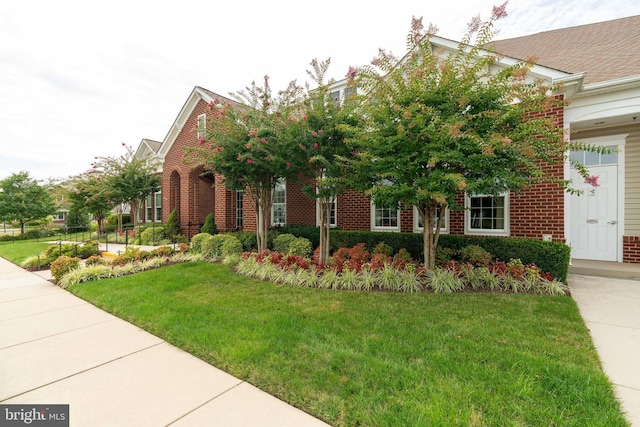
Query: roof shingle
point(605, 50)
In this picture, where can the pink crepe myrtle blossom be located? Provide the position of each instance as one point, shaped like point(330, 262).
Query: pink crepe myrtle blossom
point(314, 133)
point(352, 72)
point(288, 164)
point(249, 161)
point(593, 180)
point(304, 117)
point(315, 145)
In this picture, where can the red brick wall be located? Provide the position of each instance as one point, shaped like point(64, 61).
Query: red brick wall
point(631, 249)
point(536, 211)
point(301, 209)
point(186, 190)
point(354, 211)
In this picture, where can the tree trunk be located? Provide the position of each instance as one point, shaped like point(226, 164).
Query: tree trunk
point(325, 227)
point(430, 236)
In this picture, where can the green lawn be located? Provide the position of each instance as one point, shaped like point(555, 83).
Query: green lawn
point(18, 251)
point(378, 359)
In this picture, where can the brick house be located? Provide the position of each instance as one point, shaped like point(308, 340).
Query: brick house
point(598, 67)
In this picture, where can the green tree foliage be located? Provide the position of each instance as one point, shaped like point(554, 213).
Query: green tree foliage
point(248, 144)
point(323, 140)
point(91, 194)
point(23, 199)
point(172, 226)
point(209, 225)
point(440, 123)
point(130, 179)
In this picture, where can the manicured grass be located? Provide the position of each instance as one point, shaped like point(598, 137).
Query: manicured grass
point(18, 251)
point(378, 359)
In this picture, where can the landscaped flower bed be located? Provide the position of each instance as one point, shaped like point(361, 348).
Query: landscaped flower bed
point(356, 269)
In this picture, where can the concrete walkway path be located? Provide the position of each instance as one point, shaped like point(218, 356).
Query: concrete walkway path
point(58, 349)
point(611, 310)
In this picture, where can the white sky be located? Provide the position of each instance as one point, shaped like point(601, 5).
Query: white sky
point(79, 78)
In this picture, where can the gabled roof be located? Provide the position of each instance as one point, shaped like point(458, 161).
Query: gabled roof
point(605, 51)
point(153, 145)
point(198, 93)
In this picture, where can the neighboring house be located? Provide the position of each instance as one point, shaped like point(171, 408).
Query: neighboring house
point(598, 68)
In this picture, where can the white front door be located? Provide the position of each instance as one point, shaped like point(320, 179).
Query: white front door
point(594, 215)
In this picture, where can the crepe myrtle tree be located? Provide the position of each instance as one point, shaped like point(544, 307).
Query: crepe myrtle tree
point(24, 199)
point(130, 179)
point(437, 124)
point(248, 144)
point(322, 139)
point(91, 194)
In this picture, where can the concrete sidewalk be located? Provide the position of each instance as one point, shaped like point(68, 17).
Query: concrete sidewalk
point(611, 310)
point(58, 349)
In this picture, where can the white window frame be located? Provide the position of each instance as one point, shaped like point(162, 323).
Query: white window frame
point(374, 227)
point(333, 223)
point(157, 207)
point(202, 125)
point(417, 228)
point(282, 184)
point(148, 208)
point(487, 232)
point(239, 209)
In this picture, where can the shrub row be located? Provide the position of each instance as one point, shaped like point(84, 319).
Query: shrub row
point(553, 257)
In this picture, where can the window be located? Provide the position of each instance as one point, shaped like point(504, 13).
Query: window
point(202, 125)
point(239, 209)
point(158, 206)
point(487, 214)
point(333, 219)
point(590, 158)
point(385, 218)
point(279, 210)
point(149, 208)
point(348, 91)
point(418, 226)
point(335, 97)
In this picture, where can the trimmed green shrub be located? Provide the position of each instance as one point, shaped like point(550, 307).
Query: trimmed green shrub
point(230, 246)
point(209, 225)
point(247, 238)
point(172, 226)
point(300, 247)
point(283, 242)
point(198, 239)
point(62, 265)
point(306, 231)
point(152, 236)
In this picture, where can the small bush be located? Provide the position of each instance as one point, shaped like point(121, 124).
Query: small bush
point(209, 225)
point(475, 255)
point(152, 236)
point(198, 240)
point(230, 246)
point(283, 242)
point(62, 265)
point(301, 247)
point(247, 238)
point(162, 251)
point(383, 248)
point(208, 245)
point(96, 260)
point(172, 226)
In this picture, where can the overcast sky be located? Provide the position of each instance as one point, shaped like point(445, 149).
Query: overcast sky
point(79, 78)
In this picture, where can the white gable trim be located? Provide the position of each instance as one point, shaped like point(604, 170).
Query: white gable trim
point(196, 95)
